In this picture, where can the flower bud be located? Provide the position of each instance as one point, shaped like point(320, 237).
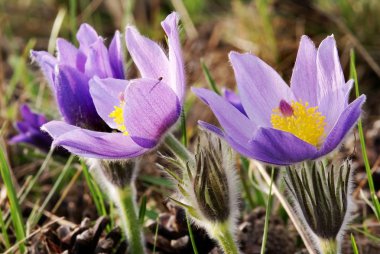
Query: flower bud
point(210, 183)
point(322, 197)
point(207, 189)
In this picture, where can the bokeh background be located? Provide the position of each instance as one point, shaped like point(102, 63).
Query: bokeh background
point(210, 29)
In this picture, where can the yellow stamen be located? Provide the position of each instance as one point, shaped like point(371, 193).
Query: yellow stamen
point(306, 123)
point(118, 118)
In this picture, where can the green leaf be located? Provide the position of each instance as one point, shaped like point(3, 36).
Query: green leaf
point(209, 78)
point(354, 246)
point(16, 214)
point(375, 200)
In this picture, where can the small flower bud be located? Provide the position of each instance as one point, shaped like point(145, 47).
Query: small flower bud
point(322, 197)
point(207, 189)
point(210, 182)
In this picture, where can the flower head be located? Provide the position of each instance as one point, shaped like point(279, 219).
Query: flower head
point(284, 125)
point(322, 197)
point(68, 74)
point(207, 186)
point(140, 111)
point(29, 130)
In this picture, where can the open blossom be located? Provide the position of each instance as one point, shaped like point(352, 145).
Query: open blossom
point(69, 73)
point(285, 125)
point(29, 130)
point(138, 111)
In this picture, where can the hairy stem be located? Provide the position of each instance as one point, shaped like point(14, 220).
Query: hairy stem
point(223, 235)
point(328, 246)
point(124, 198)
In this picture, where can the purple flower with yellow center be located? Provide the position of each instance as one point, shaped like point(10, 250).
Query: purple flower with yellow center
point(139, 111)
point(69, 73)
point(284, 125)
point(29, 130)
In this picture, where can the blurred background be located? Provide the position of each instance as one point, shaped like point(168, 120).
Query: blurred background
point(210, 29)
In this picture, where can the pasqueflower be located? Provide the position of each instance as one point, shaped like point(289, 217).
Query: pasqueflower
point(29, 130)
point(69, 73)
point(138, 111)
point(285, 125)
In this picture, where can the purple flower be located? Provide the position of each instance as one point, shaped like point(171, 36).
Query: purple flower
point(29, 130)
point(139, 111)
point(285, 125)
point(234, 99)
point(69, 73)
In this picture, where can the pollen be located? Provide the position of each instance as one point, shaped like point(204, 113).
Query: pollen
point(117, 116)
point(304, 122)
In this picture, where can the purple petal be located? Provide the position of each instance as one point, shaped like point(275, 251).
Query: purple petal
point(346, 91)
point(98, 62)
point(20, 138)
point(151, 108)
point(28, 116)
point(234, 99)
point(260, 87)
point(234, 123)
point(211, 128)
point(67, 54)
point(116, 57)
point(86, 36)
point(24, 126)
point(344, 124)
point(242, 148)
point(304, 78)
point(74, 99)
point(280, 148)
point(331, 109)
point(58, 128)
point(93, 144)
point(147, 55)
point(330, 74)
point(29, 130)
point(106, 94)
point(46, 62)
point(177, 72)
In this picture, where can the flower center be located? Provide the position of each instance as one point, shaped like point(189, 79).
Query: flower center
point(304, 122)
point(118, 118)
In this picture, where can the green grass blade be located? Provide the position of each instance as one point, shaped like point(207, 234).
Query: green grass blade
point(183, 128)
point(142, 210)
point(191, 235)
point(36, 176)
point(209, 78)
point(267, 214)
point(4, 231)
point(354, 246)
point(73, 18)
point(371, 185)
point(16, 214)
point(91, 188)
point(34, 220)
point(155, 236)
point(55, 29)
point(244, 180)
point(97, 197)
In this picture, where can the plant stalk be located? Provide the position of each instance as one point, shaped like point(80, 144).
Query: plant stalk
point(124, 198)
point(225, 239)
point(328, 246)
